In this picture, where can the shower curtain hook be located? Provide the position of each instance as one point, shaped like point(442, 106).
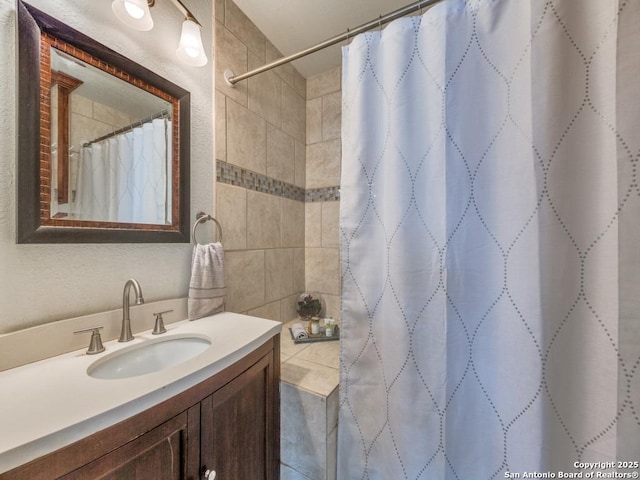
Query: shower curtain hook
point(380, 22)
point(347, 35)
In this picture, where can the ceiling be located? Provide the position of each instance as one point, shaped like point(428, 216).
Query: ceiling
point(294, 25)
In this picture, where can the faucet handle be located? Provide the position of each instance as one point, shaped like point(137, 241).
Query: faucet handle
point(95, 344)
point(159, 327)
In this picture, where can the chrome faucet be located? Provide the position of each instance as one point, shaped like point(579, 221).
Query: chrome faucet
point(125, 333)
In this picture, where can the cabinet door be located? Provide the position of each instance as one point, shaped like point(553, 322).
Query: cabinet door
point(167, 452)
point(239, 428)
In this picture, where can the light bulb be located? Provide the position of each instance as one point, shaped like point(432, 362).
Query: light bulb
point(191, 51)
point(133, 10)
point(133, 13)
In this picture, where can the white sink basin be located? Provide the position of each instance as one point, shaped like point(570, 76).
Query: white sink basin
point(148, 357)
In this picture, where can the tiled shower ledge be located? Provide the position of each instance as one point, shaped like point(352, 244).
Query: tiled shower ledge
point(309, 408)
point(313, 367)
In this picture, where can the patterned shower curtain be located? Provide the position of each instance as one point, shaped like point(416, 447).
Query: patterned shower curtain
point(490, 243)
point(126, 177)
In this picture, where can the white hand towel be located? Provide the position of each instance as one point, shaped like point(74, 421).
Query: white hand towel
point(299, 331)
point(207, 291)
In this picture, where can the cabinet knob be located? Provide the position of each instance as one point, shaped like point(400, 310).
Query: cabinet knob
point(209, 475)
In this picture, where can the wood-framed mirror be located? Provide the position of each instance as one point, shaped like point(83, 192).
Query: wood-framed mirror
point(103, 142)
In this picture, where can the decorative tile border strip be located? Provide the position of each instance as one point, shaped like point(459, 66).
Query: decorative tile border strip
point(240, 177)
point(325, 194)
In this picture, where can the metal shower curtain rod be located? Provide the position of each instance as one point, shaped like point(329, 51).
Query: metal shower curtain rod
point(378, 22)
point(138, 123)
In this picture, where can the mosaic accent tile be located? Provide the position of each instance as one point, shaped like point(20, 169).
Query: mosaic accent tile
point(325, 194)
point(241, 177)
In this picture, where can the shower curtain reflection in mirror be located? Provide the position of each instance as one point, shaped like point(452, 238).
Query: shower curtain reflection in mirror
point(124, 178)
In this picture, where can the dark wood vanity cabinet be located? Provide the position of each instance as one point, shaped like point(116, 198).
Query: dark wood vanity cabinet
point(230, 423)
point(167, 452)
point(236, 419)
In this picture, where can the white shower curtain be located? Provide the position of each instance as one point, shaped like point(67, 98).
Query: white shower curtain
point(490, 229)
point(127, 177)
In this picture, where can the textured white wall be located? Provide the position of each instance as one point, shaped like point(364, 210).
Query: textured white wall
point(44, 283)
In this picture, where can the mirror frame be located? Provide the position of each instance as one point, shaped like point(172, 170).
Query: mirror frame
point(34, 224)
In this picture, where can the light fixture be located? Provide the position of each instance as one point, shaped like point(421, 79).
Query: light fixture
point(190, 49)
point(133, 13)
point(136, 14)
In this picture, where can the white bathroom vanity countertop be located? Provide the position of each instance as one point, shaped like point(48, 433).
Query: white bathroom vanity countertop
point(54, 402)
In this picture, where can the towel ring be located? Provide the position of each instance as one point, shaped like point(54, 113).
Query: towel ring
point(203, 217)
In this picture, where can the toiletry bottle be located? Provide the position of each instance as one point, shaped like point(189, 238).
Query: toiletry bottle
point(329, 322)
point(315, 326)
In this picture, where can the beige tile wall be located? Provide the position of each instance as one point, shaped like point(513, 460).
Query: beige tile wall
point(260, 126)
point(285, 127)
point(322, 254)
point(91, 120)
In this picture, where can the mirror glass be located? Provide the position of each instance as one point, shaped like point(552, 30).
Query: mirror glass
point(110, 147)
point(103, 142)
